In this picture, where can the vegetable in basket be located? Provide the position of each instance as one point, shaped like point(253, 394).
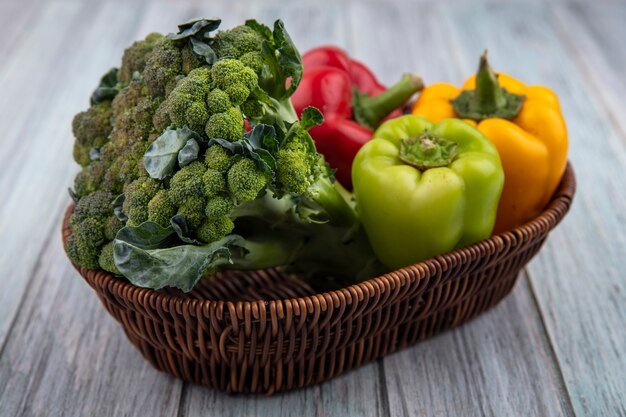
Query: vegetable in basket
point(174, 187)
point(353, 103)
point(423, 189)
point(523, 122)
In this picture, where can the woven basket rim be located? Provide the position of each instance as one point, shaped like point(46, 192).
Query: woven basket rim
point(552, 215)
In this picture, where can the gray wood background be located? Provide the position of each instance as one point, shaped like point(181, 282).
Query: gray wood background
point(555, 347)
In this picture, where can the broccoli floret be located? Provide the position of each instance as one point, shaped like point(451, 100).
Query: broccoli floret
point(219, 206)
point(215, 229)
point(295, 171)
point(227, 125)
point(187, 183)
point(213, 182)
point(237, 41)
point(136, 55)
point(91, 129)
point(162, 67)
point(112, 225)
point(245, 180)
point(133, 110)
point(192, 209)
point(217, 101)
point(186, 104)
point(218, 158)
point(106, 260)
point(253, 60)
point(236, 79)
point(90, 178)
point(197, 83)
point(87, 237)
point(82, 254)
point(96, 205)
point(161, 209)
point(252, 109)
point(129, 165)
point(137, 196)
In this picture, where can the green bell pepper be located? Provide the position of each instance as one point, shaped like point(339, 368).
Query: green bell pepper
point(423, 189)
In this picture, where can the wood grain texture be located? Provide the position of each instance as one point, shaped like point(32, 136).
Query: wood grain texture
point(577, 280)
point(42, 90)
point(61, 355)
point(67, 357)
point(594, 36)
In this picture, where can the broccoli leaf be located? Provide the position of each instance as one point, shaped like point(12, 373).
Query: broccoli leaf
point(94, 154)
point(182, 229)
point(117, 208)
point(189, 153)
point(148, 235)
point(264, 160)
point(263, 137)
point(260, 28)
point(141, 257)
point(311, 117)
point(73, 195)
point(204, 50)
point(282, 61)
point(107, 89)
point(195, 27)
point(290, 61)
point(161, 157)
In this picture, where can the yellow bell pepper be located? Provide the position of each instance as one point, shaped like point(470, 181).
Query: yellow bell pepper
point(523, 122)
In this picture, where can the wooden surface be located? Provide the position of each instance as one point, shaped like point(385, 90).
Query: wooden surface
point(555, 347)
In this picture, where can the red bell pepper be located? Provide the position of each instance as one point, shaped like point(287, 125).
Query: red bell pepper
point(352, 100)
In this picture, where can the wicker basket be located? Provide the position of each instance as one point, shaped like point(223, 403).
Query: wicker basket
point(265, 331)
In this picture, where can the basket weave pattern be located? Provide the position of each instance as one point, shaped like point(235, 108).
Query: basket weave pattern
point(266, 331)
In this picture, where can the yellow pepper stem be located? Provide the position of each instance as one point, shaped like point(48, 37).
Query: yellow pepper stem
point(489, 99)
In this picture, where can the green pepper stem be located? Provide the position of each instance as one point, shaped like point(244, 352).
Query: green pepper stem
point(427, 151)
point(370, 110)
point(488, 99)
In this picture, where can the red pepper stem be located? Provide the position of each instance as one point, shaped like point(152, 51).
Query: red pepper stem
point(370, 110)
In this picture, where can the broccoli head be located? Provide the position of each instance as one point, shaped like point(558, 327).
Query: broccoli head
point(248, 199)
